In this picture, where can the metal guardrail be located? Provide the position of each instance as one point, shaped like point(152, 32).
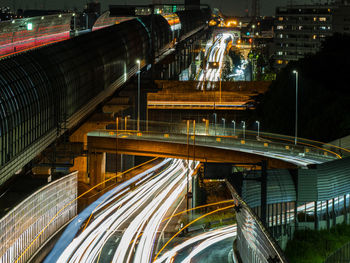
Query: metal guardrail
point(21, 226)
point(341, 255)
point(219, 137)
point(254, 242)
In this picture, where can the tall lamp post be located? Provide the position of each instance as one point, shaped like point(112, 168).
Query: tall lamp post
point(258, 122)
point(215, 115)
point(138, 94)
point(243, 125)
point(116, 152)
point(223, 124)
point(296, 106)
point(234, 127)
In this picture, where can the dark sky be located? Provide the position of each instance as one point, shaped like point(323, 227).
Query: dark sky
point(230, 7)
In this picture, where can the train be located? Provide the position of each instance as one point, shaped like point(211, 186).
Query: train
point(44, 89)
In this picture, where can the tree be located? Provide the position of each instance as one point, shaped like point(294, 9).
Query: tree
point(324, 94)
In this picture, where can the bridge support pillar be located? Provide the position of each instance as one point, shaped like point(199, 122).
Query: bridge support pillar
point(80, 162)
point(97, 169)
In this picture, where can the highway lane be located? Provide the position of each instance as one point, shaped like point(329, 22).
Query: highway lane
point(198, 247)
point(139, 211)
point(214, 56)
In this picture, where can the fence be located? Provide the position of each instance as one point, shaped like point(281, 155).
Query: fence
point(340, 256)
point(254, 242)
point(20, 227)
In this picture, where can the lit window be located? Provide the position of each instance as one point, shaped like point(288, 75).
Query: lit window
point(280, 18)
point(281, 35)
point(314, 37)
point(323, 19)
point(280, 53)
point(315, 19)
point(279, 27)
point(300, 27)
point(279, 61)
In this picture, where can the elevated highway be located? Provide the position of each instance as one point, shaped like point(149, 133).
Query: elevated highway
point(211, 144)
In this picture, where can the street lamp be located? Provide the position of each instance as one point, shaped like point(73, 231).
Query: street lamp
point(234, 127)
point(215, 115)
point(296, 106)
point(126, 122)
point(243, 125)
point(223, 124)
point(138, 94)
point(206, 126)
point(258, 122)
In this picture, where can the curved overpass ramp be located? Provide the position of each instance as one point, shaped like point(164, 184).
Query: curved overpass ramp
point(207, 148)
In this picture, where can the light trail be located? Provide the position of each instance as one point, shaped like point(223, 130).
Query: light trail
point(177, 233)
point(231, 231)
point(139, 211)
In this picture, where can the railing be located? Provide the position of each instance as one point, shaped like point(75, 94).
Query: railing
point(254, 242)
point(213, 135)
point(21, 226)
point(341, 255)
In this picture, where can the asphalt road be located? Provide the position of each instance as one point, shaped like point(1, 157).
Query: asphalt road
point(217, 253)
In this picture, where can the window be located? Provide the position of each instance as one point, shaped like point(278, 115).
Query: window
point(280, 18)
point(323, 19)
point(281, 36)
point(279, 62)
point(279, 27)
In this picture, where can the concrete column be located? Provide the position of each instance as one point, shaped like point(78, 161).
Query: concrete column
point(97, 169)
point(80, 162)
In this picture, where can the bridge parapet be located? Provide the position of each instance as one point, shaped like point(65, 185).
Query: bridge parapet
point(20, 227)
point(266, 144)
point(254, 242)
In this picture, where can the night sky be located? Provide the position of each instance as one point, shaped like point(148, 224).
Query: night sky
point(230, 7)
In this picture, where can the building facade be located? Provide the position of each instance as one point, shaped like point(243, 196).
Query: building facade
point(301, 29)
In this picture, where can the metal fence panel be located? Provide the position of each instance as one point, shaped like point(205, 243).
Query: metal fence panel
point(21, 226)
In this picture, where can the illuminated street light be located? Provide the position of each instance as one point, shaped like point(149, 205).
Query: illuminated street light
point(258, 122)
point(206, 126)
point(243, 126)
point(296, 106)
point(215, 115)
point(223, 123)
point(138, 94)
point(234, 127)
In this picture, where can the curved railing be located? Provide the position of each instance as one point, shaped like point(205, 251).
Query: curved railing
point(341, 255)
point(272, 145)
point(254, 242)
point(21, 227)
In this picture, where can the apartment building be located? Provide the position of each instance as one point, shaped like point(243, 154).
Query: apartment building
point(300, 29)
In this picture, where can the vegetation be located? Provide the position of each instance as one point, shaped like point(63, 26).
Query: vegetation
point(323, 99)
point(261, 65)
point(232, 61)
point(311, 246)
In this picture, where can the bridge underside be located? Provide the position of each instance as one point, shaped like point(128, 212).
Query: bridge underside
point(179, 150)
